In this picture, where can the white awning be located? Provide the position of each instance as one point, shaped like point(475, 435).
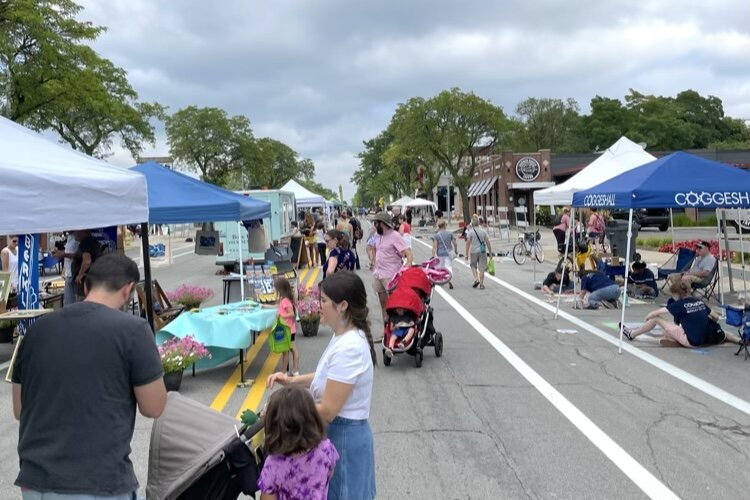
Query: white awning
point(472, 188)
point(530, 185)
point(485, 188)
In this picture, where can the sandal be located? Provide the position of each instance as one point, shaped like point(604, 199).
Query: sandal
point(476, 284)
point(627, 332)
point(481, 287)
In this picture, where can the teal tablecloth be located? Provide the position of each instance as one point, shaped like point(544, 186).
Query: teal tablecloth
point(223, 329)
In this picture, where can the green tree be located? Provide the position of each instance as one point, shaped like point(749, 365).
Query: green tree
point(42, 48)
point(658, 121)
point(318, 188)
point(608, 121)
point(101, 105)
point(207, 140)
point(451, 127)
point(551, 123)
point(273, 163)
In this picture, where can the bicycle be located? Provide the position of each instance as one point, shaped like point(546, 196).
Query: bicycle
point(587, 258)
point(528, 246)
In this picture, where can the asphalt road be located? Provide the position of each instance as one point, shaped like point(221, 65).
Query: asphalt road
point(521, 405)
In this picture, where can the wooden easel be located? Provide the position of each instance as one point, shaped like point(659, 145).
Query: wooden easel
point(300, 255)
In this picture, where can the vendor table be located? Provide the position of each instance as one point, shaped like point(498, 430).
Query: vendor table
point(612, 271)
point(221, 328)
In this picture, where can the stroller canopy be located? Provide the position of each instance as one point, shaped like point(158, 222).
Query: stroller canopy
point(416, 279)
point(403, 297)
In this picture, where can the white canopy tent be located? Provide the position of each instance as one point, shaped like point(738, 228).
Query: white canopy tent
point(47, 187)
point(401, 202)
point(420, 202)
point(303, 196)
point(622, 156)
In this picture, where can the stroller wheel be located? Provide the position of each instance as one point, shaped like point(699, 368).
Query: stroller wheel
point(438, 344)
point(418, 358)
point(386, 359)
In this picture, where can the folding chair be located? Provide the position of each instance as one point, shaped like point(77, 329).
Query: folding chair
point(744, 332)
point(681, 260)
point(705, 289)
point(163, 311)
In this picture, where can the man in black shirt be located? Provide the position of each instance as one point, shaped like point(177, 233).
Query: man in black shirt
point(552, 283)
point(79, 374)
point(88, 251)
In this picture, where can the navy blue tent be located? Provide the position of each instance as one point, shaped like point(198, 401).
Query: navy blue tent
point(679, 180)
point(175, 198)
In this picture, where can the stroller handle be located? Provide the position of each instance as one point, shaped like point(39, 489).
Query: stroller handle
point(252, 430)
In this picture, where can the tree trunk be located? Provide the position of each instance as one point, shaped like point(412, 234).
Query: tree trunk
point(464, 192)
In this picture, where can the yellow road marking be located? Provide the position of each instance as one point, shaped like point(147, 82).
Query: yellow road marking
point(302, 274)
point(255, 394)
point(221, 399)
point(313, 277)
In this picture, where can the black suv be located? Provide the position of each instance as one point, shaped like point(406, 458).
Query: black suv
point(648, 217)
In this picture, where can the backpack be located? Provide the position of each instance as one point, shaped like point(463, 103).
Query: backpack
point(599, 224)
point(358, 234)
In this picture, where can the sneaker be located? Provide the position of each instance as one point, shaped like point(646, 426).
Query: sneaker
point(295, 374)
point(388, 353)
point(450, 286)
point(476, 284)
point(607, 304)
point(589, 306)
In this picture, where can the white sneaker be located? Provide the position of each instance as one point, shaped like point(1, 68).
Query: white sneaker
point(295, 374)
point(388, 353)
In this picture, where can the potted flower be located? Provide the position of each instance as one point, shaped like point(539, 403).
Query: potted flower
point(176, 355)
point(308, 308)
point(190, 296)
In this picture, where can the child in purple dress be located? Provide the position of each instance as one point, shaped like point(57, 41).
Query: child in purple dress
point(300, 459)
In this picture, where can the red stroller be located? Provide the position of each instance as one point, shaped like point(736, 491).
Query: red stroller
point(411, 292)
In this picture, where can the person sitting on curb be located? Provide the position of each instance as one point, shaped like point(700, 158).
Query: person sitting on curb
point(597, 289)
point(551, 284)
point(694, 323)
point(641, 281)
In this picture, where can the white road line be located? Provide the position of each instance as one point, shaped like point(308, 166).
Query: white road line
point(642, 478)
point(678, 373)
point(5, 365)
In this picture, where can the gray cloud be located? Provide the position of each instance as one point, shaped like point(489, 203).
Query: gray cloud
point(324, 75)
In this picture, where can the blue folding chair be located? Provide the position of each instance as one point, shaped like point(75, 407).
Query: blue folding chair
point(679, 262)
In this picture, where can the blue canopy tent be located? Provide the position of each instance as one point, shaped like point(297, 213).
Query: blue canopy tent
point(678, 180)
point(175, 198)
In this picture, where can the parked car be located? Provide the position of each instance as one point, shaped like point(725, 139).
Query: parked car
point(647, 217)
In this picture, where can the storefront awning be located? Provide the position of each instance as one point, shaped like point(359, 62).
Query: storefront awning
point(486, 186)
point(529, 185)
point(473, 187)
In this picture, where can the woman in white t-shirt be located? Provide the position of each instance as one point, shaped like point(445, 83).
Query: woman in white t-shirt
point(342, 385)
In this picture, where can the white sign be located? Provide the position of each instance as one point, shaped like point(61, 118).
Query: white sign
point(527, 169)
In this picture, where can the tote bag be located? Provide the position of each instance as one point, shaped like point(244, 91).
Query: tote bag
point(280, 338)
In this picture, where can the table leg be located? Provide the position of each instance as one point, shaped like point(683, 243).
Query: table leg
point(243, 382)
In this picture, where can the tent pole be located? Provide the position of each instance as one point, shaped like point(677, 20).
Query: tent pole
point(742, 252)
point(671, 224)
point(627, 273)
point(242, 273)
point(148, 288)
point(726, 249)
point(564, 268)
point(533, 245)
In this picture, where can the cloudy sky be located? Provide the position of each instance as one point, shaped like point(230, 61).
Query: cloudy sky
point(324, 75)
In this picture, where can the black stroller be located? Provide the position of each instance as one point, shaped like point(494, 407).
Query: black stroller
point(197, 453)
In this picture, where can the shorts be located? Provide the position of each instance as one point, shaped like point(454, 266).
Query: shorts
point(380, 285)
point(479, 261)
point(293, 336)
point(399, 332)
point(676, 333)
point(446, 263)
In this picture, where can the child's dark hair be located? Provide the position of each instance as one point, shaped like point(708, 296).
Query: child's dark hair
point(293, 424)
point(320, 225)
point(347, 286)
point(284, 289)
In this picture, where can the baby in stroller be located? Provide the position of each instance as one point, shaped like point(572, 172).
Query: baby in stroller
point(404, 307)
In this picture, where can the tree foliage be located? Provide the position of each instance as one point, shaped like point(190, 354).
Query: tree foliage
point(550, 123)
point(272, 164)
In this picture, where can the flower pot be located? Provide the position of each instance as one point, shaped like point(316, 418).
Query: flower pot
point(310, 327)
point(172, 381)
point(6, 334)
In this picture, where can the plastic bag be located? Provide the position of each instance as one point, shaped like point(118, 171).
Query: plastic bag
point(280, 338)
point(491, 266)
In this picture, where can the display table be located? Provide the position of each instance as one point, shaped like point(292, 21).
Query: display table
point(222, 329)
point(612, 271)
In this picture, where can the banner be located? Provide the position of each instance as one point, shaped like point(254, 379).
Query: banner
point(107, 237)
point(28, 275)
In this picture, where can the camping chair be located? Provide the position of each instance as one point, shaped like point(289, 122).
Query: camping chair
point(679, 262)
point(705, 289)
point(163, 311)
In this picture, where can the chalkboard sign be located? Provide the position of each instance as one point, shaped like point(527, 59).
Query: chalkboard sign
point(299, 251)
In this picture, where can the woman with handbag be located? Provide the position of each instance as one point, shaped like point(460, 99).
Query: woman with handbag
point(477, 248)
point(444, 246)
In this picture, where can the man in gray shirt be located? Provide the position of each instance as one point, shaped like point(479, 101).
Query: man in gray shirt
point(702, 266)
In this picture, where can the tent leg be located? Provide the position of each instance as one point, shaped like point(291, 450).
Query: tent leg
point(562, 277)
point(726, 249)
point(627, 273)
point(242, 273)
point(742, 257)
point(671, 224)
point(147, 277)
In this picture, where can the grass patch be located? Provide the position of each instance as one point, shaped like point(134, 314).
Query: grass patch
point(652, 242)
point(682, 220)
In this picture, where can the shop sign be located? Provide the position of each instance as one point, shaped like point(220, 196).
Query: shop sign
point(528, 169)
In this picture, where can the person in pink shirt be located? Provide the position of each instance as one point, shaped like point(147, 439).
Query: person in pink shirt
point(390, 249)
point(288, 315)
